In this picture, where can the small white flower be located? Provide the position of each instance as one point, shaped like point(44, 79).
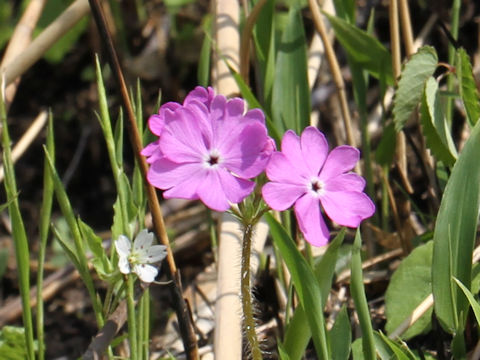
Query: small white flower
point(137, 259)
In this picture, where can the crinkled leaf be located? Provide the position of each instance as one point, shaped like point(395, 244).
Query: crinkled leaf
point(454, 236)
point(377, 60)
point(435, 129)
point(468, 87)
point(412, 276)
point(411, 84)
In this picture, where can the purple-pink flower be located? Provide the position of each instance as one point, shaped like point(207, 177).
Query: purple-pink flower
point(306, 175)
point(208, 149)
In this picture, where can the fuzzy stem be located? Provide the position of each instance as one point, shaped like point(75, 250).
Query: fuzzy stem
point(132, 326)
point(248, 321)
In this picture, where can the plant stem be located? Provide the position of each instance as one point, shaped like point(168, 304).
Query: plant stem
point(132, 326)
point(183, 313)
point(247, 305)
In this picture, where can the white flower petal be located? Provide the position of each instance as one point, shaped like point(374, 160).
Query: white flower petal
point(155, 253)
point(123, 265)
point(123, 246)
point(143, 241)
point(146, 273)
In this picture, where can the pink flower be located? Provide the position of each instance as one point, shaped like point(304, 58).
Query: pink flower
point(208, 149)
point(305, 175)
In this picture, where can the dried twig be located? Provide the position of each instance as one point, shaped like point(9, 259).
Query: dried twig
point(57, 29)
point(21, 38)
point(27, 138)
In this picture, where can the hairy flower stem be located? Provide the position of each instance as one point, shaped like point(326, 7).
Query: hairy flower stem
point(247, 305)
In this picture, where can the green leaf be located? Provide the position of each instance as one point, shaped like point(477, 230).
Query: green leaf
point(298, 332)
point(377, 60)
point(435, 129)
point(386, 148)
point(471, 299)
point(203, 70)
point(12, 343)
point(291, 94)
point(411, 84)
point(100, 260)
point(415, 277)
point(468, 88)
point(357, 291)
point(454, 236)
point(341, 336)
point(399, 352)
point(307, 288)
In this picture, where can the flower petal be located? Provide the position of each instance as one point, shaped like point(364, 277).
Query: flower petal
point(280, 196)
point(165, 174)
point(292, 150)
point(123, 246)
point(146, 273)
point(346, 182)
point(314, 149)
point(254, 115)
point(347, 208)
point(340, 160)
point(124, 265)
point(200, 94)
point(310, 220)
point(244, 155)
point(184, 136)
point(280, 169)
point(211, 192)
point(143, 241)
point(235, 189)
point(156, 253)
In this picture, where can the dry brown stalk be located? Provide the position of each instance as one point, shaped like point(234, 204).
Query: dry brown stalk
point(72, 15)
point(21, 38)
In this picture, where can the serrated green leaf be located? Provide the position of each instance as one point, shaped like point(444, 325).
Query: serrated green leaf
point(413, 276)
point(435, 129)
point(291, 94)
point(341, 336)
point(415, 73)
point(377, 60)
point(454, 236)
point(468, 88)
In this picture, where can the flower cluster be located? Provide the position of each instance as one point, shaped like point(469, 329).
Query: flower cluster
point(138, 258)
point(209, 148)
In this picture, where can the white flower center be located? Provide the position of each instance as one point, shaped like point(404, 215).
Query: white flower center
point(212, 159)
point(316, 187)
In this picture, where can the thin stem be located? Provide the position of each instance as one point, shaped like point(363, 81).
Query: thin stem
point(45, 215)
point(132, 326)
point(183, 313)
point(248, 320)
